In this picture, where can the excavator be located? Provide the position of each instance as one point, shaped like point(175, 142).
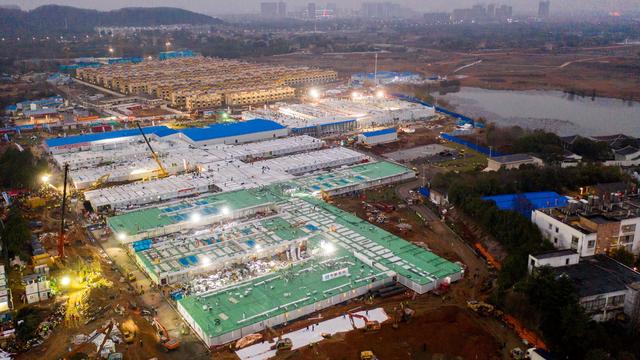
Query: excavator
point(162, 172)
point(484, 309)
point(281, 344)
point(100, 181)
point(369, 325)
point(165, 339)
point(106, 330)
point(402, 313)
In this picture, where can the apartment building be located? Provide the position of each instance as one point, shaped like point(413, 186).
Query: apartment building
point(177, 80)
point(592, 230)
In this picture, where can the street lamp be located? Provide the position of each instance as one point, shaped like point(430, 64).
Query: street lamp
point(314, 93)
point(196, 217)
point(65, 280)
point(45, 178)
point(122, 236)
point(380, 94)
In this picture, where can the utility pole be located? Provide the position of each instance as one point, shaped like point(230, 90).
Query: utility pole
point(375, 71)
point(62, 213)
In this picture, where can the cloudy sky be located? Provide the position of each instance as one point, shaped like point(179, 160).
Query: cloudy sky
point(252, 6)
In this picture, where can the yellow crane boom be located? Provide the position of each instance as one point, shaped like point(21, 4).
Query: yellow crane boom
point(161, 170)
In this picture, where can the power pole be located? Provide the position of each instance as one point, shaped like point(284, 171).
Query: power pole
point(375, 71)
point(62, 213)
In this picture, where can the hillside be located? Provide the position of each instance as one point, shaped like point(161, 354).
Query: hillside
point(55, 19)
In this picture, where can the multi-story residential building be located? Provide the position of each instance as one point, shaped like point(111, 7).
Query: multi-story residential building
point(188, 83)
point(591, 230)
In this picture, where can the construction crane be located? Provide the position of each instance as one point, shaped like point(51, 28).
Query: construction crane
point(165, 339)
point(100, 181)
point(369, 325)
point(106, 330)
point(62, 213)
point(161, 170)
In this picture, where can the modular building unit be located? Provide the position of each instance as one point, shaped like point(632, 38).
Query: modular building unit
point(378, 137)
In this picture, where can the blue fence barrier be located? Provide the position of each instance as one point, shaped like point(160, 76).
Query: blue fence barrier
point(439, 109)
point(472, 146)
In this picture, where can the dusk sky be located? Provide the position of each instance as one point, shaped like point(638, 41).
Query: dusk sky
point(252, 6)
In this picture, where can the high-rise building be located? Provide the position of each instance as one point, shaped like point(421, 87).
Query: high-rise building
point(311, 10)
point(282, 9)
point(491, 11)
point(269, 9)
point(437, 18)
point(381, 10)
point(544, 9)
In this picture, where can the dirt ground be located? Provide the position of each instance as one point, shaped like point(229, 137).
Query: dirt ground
point(609, 70)
point(447, 332)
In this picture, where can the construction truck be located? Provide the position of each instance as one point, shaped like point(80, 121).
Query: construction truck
point(369, 325)
point(165, 339)
point(282, 344)
point(483, 308)
point(367, 355)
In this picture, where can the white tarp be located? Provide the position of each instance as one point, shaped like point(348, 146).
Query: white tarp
point(304, 337)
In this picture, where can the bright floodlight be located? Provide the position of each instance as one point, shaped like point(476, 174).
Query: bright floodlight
point(355, 95)
point(380, 94)
point(45, 179)
point(111, 50)
point(122, 236)
point(314, 93)
point(65, 280)
point(196, 217)
point(225, 211)
point(328, 247)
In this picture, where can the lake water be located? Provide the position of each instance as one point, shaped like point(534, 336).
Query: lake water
point(553, 111)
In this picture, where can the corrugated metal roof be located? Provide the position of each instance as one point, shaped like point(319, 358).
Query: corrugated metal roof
point(78, 139)
point(526, 202)
point(379, 132)
point(217, 131)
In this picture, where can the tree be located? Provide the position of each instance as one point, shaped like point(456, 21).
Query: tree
point(623, 256)
point(591, 150)
point(16, 234)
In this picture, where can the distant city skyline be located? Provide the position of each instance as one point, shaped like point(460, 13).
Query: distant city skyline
point(214, 7)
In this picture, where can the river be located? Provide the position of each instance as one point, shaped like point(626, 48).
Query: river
point(554, 111)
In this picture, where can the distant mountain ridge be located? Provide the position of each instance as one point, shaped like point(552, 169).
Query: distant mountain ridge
point(56, 19)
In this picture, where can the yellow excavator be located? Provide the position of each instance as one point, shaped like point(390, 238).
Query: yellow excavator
point(161, 170)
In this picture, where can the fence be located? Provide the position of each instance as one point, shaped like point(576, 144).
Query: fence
point(439, 109)
point(472, 146)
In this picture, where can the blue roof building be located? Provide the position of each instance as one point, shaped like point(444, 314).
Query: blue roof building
point(235, 133)
point(525, 203)
point(109, 135)
point(378, 136)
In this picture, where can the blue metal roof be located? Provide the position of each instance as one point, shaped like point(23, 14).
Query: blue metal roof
point(526, 202)
point(78, 139)
point(379, 132)
point(217, 131)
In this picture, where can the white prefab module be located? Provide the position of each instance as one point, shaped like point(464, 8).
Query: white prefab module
point(313, 161)
point(328, 116)
point(220, 176)
point(378, 136)
point(131, 160)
